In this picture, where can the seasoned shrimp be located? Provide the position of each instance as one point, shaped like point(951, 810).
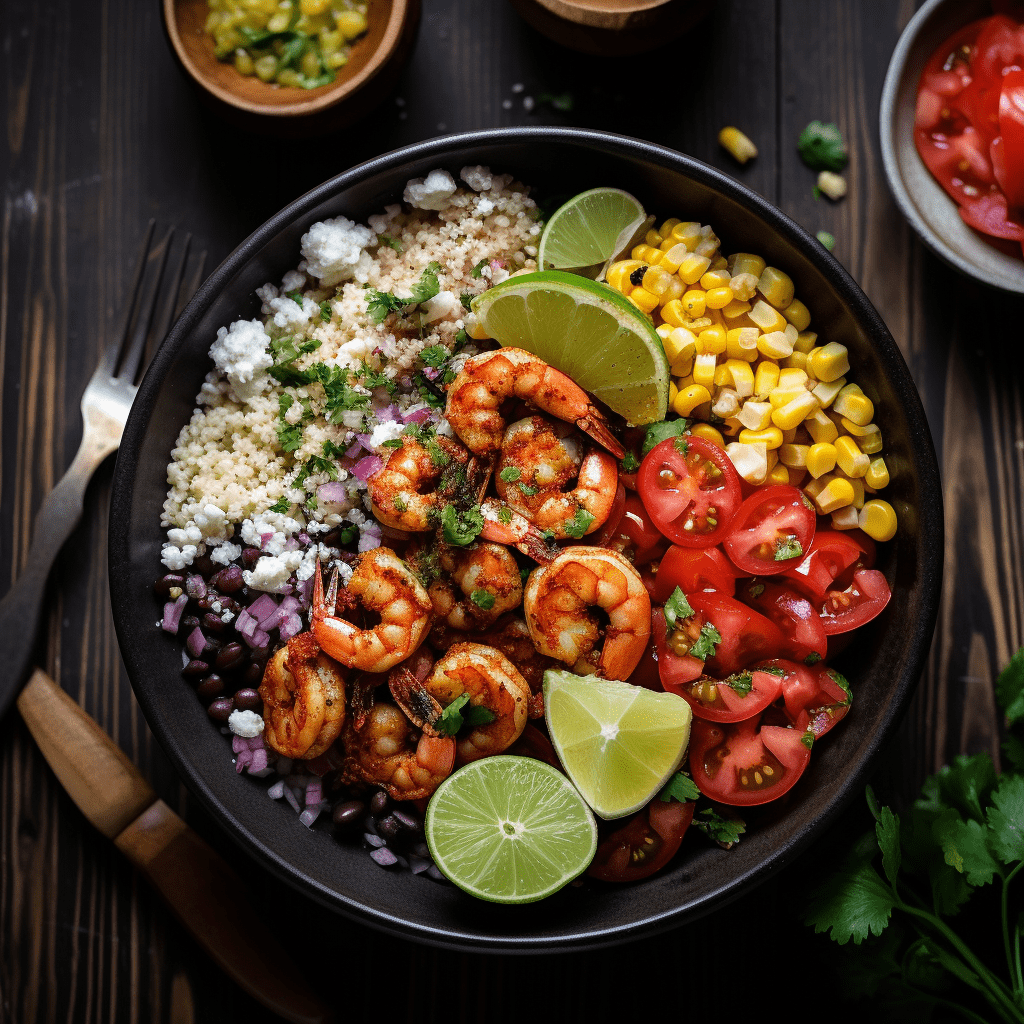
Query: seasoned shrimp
point(384, 585)
point(485, 382)
point(303, 694)
point(389, 752)
point(556, 600)
point(504, 525)
point(546, 474)
point(417, 479)
point(478, 583)
point(513, 639)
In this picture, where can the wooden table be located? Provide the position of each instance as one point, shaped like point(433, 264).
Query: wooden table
point(103, 133)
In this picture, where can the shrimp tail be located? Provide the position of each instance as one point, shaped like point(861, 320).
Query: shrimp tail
point(323, 607)
point(596, 426)
point(415, 700)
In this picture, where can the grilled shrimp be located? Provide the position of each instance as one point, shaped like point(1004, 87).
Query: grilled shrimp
point(545, 474)
point(504, 525)
point(479, 583)
point(485, 382)
point(388, 751)
point(417, 479)
point(513, 639)
point(556, 600)
point(384, 585)
point(303, 694)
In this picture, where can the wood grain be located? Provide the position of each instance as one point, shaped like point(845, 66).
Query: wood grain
point(103, 133)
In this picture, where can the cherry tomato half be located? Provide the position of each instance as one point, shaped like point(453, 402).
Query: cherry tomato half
point(802, 629)
point(831, 554)
point(747, 636)
point(635, 534)
point(645, 844)
point(814, 697)
point(691, 490)
point(1010, 169)
point(674, 670)
point(693, 569)
point(860, 602)
point(771, 531)
point(732, 699)
point(746, 763)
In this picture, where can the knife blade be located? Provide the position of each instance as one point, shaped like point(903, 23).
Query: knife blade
point(199, 886)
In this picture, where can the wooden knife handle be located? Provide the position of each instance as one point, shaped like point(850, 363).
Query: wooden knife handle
point(202, 890)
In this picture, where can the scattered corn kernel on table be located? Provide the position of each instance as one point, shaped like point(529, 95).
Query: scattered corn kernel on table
point(103, 133)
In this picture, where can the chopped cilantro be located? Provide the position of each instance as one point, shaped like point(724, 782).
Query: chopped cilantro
point(504, 515)
point(429, 391)
point(677, 608)
point(459, 713)
point(349, 533)
point(466, 298)
point(787, 547)
point(461, 337)
point(325, 311)
point(379, 304)
point(630, 463)
point(400, 504)
point(681, 445)
point(435, 355)
point(478, 270)
point(658, 432)
point(705, 645)
point(483, 599)
point(741, 682)
point(461, 527)
point(371, 378)
point(813, 658)
point(579, 524)
point(331, 450)
point(724, 831)
point(527, 489)
point(281, 505)
point(289, 435)
point(822, 148)
point(295, 297)
point(756, 589)
point(772, 670)
point(392, 243)
point(680, 787)
point(510, 474)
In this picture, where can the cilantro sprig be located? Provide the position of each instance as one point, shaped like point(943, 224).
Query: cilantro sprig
point(462, 713)
point(379, 304)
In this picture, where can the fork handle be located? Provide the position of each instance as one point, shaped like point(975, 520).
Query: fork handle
point(21, 607)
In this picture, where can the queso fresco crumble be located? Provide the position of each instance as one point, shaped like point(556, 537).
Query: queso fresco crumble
point(300, 404)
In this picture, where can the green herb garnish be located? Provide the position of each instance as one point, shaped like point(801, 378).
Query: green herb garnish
point(658, 432)
point(677, 608)
point(461, 527)
point(822, 148)
point(705, 645)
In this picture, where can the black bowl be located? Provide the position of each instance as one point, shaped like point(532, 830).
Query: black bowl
point(883, 666)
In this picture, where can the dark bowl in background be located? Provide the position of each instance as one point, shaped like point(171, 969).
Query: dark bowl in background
point(883, 666)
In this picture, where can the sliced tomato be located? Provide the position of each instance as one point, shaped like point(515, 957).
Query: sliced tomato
point(647, 672)
point(693, 569)
point(746, 763)
point(674, 670)
point(814, 697)
point(1000, 44)
point(831, 554)
point(747, 636)
point(771, 531)
point(803, 632)
point(635, 534)
point(691, 490)
point(859, 603)
point(1010, 172)
point(990, 215)
point(732, 699)
point(644, 844)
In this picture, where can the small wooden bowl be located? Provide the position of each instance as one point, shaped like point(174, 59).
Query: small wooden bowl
point(372, 68)
point(610, 27)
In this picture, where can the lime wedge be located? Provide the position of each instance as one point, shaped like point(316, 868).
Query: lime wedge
point(585, 234)
point(618, 742)
point(588, 331)
point(510, 829)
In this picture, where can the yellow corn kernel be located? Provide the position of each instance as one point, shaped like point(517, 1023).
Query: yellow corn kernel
point(704, 370)
point(798, 315)
point(719, 298)
point(767, 318)
point(821, 428)
point(858, 488)
point(715, 279)
point(735, 309)
point(693, 302)
point(796, 361)
point(770, 437)
point(821, 459)
point(654, 238)
point(741, 343)
point(700, 323)
point(731, 426)
point(805, 341)
point(673, 390)
point(738, 145)
point(672, 313)
point(849, 458)
point(713, 339)
point(644, 253)
point(679, 344)
point(788, 416)
point(877, 475)
point(708, 433)
point(846, 518)
point(830, 362)
point(687, 232)
point(773, 459)
point(618, 275)
point(776, 287)
point(656, 280)
point(793, 455)
point(756, 415)
point(781, 396)
point(774, 345)
point(766, 377)
point(792, 377)
point(854, 405)
point(673, 256)
point(837, 493)
point(666, 226)
point(743, 285)
point(778, 474)
point(643, 299)
point(746, 263)
point(789, 435)
point(683, 367)
point(689, 398)
point(723, 378)
point(750, 460)
point(673, 292)
point(727, 403)
point(825, 392)
point(742, 376)
point(868, 436)
point(692, 269)
point(878, 519)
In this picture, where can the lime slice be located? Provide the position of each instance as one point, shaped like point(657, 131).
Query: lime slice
point(618, 742)
point(588, 331)
point(585, 234)
point(510, 829)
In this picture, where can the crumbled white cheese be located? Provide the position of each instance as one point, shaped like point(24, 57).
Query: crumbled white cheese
point(381, 222)
point(213, 523)
point(246, 724)
point(335, 250)
point(386, 431)
point(270, 574)
point(225, 554)
point(290, 315)
point(241, 351)
point(441, 307)
point(484, 207)
point(175, 557)
point(431, 192)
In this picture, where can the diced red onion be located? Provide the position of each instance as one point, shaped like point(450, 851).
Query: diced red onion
point(384, 857)
point(239, 743)
point(314, 792)
point(259, 761)
point(290, 797)
point(265, 538)
point(306, 591)
point(246, 624)
point(365, 468)
point(354, 450)
point(364, 440)
point(262, 607)
point(333, 493)
point(292, 544)
point(290, 625)
point(276, 791)
point(416, 415)
point(196, 642)
point(388, 414)
point(289, 604)
point(172, 614)
point(303, 538)
point(308, 816)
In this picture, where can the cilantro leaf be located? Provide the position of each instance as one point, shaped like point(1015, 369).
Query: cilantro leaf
point(706, 643)
point(483, 599)
point(630, 463)
point(461, 527)
point(887, 831)
point(680, 787)
point(528, 490)
point(822, 148)
point(1010, 689)
point(965, 847)
point(724, 831)
point(450, 721)
point(281, 505)
point(680, 444)
point(677, 608)
point(504, 515)
point(435, 356)
point(579, 524)
point(813, 658)
point(478, 270)
point(466, 298)
point(1006, 819)
point(741, 682)
point(391, 242)
point(510, 474)
point(325, 311)
point(658, 432)
point(477, 714)
point(379, 304)
point(294, 296)
point(787, 547)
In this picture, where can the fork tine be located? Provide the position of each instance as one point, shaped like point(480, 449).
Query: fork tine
point(191, 283)
point(168, 307)
point(145, 306)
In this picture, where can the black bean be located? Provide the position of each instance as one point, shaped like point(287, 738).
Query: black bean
point(164, 584)
point(370, 824)
point(231, 656)
point(389, 827)
point(254, 675)
point(407, 820)
point(211, 687)
point(346, 813)
point(189, 622)
point(220, 710)
point(250, 556)
point(379, 802)
point(420, 849)
point(211, 650)
point(384, 857)
point(332, 538)
point(248, 700)
point(204, 565)
point(195, 668)
point(229, 604)
point(214, 623)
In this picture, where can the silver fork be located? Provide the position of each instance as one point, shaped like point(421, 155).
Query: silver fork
point(155, 298)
